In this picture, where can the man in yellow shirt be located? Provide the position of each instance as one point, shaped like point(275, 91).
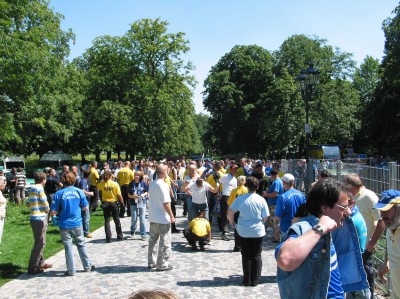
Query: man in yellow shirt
point(124, 177)
point(110, 195)
point(94, 179)
point(199, 230)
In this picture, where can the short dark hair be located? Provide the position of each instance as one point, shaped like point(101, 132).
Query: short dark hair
point(324, 174)
point(274, 172)
point(252, 183)
point(324, 193)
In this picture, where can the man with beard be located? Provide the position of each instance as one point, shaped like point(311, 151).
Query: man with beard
point(389, 206)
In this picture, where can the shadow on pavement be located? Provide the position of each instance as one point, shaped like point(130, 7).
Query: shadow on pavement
point(232, 280)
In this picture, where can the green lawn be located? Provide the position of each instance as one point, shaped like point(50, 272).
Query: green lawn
point(17, 241)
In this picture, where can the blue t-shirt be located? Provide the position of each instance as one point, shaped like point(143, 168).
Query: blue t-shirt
point(84, 185)
point(286, 207)
point(68, 202)
point(361, 227)
point(335, 289)
point(277, 186)
point(253, 209)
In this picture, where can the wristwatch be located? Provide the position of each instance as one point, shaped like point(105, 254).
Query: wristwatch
point(319, 229)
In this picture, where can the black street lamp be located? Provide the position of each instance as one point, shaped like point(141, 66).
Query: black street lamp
point(306, 82)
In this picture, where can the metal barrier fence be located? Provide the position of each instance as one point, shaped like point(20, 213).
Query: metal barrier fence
point(374, 178)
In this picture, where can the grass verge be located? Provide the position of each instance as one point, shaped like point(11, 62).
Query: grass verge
point(17, 241)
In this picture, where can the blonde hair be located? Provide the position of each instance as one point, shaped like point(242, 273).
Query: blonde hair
point(241, 179)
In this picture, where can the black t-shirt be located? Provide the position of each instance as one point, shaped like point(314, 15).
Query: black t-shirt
point(51, 185)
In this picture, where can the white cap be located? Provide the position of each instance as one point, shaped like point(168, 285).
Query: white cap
point(288, 178)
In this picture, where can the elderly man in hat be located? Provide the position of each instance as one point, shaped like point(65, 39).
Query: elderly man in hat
point(389, 206)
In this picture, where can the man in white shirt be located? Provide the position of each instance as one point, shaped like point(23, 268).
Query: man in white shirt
point(229, 182)
point(160, 217)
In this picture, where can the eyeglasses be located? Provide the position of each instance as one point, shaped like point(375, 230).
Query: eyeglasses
point(343, 208)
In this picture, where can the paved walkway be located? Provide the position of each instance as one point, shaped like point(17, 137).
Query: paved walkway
point(121, 269)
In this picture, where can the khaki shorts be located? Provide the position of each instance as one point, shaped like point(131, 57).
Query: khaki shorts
point(272, 222)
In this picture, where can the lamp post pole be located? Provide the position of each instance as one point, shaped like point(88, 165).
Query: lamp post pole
point(306, 82)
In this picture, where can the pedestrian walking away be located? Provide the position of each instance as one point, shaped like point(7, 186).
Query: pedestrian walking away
point(67, 204)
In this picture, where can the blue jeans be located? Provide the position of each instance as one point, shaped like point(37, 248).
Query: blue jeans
point(188, 200)
point(85, 221)
point(77, 234)
point(196, 209)
point(142, 219)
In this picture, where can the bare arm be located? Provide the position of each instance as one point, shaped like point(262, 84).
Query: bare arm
point(121, 200)
point(384, 268)
point(230, 217)
point(216, 188)
point(270, 195)
point(380, 227)
point(167, 208)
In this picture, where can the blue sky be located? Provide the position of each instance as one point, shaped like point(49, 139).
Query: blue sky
point(213, 27)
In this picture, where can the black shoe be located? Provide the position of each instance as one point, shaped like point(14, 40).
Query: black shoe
point(202, 248)
point(194, 247)
point(108, 240)
point(120, 239)
point(175, 231)
point(236, 249)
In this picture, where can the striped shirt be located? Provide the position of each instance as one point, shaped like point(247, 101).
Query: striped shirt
point(21, 180)
point(37, 203)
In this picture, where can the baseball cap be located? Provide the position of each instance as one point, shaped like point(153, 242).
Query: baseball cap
point(288, 178)
point(387, 199)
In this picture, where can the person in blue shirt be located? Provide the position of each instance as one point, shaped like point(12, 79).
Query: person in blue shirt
point(250, 227)
point(288, 203)
point(272, 195)
point(67, 204)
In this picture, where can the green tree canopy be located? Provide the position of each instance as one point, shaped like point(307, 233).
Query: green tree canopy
point(139, 94)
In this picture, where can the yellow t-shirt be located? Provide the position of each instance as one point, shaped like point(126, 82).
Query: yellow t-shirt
point(171, 174)
point(211, 180)
point(94, 176)
point(125, 176)
point(167, 179)
point(109, 191)
point(200, 227)
point(237, 192)
point(239, 172)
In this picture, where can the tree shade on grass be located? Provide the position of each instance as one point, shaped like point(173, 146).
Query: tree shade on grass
point(17, 241)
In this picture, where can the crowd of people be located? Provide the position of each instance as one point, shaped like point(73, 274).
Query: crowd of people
point(325, 239)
